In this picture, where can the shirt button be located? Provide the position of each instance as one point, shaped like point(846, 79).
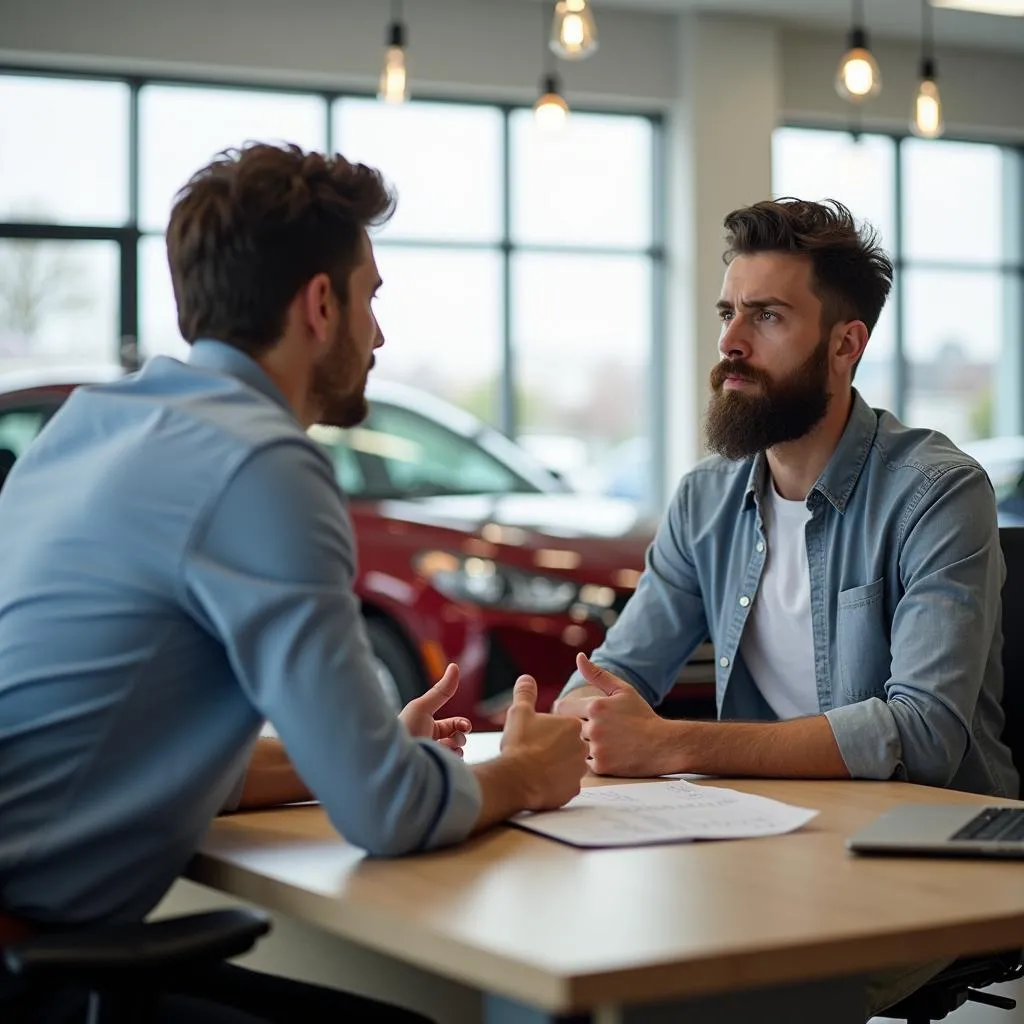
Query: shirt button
point(744, 601)
point(723, 661)
point(760, 546)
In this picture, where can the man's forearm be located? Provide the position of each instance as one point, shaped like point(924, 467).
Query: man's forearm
point(803, 748)
point(271, 779)
point(502, 789)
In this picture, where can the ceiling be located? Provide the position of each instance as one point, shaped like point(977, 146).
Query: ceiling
point(896, 18)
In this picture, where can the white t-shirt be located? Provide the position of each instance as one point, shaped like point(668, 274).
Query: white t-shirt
point(778, 639)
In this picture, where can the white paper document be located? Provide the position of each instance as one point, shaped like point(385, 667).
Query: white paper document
point(637, 814)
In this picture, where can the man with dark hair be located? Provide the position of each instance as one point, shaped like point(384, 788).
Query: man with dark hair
point(199, 582)
point(846, 568)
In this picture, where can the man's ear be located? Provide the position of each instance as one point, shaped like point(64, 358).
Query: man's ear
point(849, 340)
point(318, 306)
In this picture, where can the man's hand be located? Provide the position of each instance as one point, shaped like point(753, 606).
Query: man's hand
point(624, 735)
point(548, 750)
point(418, 715)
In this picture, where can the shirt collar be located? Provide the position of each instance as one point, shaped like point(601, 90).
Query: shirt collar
point(843, 469)
point(840, 475)
point(209, 354)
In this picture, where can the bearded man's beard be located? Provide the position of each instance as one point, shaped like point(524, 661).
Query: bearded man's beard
point(740, 424)
point(339, 385)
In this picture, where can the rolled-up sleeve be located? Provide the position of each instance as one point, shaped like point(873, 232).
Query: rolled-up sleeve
point(951, 569)
point(664, 621)
point(270, 572)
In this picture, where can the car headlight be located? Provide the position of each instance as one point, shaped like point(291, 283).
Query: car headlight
point(486, 582)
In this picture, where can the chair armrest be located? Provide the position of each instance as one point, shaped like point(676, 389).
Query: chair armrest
point(137, 952)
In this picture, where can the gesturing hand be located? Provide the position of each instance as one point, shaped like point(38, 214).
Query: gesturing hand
point(548, 750)
point(418, 715)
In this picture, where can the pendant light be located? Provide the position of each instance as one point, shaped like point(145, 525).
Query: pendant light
point(550, 112)
point(858, 77)
point(573, 30)
point(394, 79)
point(926, 113)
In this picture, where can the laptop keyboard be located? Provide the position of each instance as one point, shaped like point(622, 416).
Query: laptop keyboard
point(995, 824)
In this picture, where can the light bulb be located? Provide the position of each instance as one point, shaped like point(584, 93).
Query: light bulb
point(550, 112)
point(1011, 8)
point(394, 80)
point(926, 119)
point(858, 77)
point(573, 31)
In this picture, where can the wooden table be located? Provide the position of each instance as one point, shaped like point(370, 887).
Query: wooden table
point(782, 928)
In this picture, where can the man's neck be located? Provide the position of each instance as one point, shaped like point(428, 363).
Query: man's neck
point(796, 465)
point(291, 381)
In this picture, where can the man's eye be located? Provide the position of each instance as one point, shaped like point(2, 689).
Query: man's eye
point(768, 315)
point(725, 315)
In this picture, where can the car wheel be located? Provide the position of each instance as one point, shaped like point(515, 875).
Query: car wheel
point(399, 675)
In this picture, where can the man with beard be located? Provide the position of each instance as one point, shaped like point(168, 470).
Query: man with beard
point(196, 579)
point(846, 568)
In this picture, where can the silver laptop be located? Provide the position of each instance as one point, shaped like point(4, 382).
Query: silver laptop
point(969, 830)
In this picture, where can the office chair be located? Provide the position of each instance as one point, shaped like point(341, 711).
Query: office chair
point(7, 460)
point(963, 980)
point(125, 967)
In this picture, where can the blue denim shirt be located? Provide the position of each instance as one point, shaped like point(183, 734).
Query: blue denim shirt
point(905, 571)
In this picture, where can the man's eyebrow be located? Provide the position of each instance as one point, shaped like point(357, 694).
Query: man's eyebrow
point(768, 300)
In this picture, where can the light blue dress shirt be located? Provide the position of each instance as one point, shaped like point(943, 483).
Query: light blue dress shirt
point(905, 571)
point(176, 566)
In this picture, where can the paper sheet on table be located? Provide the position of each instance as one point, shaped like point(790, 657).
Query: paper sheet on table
point(636, 814)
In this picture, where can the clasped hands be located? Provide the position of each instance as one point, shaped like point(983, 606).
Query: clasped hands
point(623, 733)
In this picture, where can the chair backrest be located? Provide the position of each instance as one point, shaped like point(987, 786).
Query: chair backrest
point(1011, 540)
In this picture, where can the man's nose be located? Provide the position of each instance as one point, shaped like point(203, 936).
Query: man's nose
point(734, 341)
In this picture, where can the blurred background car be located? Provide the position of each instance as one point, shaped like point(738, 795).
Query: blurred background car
point(470, 550)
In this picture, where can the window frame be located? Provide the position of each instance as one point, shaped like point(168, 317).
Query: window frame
point(130, 235)
point(1010, 268)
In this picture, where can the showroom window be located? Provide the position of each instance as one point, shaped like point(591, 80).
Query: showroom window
point(522, 272)
point(946, 353)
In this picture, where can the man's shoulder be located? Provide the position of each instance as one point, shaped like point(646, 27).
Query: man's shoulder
point(196, 404)
point(918, 450)
point(717, 474)
point(712, 493)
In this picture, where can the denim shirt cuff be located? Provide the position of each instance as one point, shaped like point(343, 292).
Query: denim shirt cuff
point(868, 739)
point(463, 799)
point(576, 680)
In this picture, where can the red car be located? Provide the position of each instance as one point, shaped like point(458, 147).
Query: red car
point(470, 551)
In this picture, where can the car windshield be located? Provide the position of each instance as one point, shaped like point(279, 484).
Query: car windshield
point(398, 453)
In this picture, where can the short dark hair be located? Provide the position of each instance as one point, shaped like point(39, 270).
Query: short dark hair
point(252, 227)
point(851, 273)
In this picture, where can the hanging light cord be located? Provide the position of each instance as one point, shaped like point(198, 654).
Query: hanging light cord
point(928, 32)
point(550, 59)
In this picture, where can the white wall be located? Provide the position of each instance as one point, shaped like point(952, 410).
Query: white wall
point(719, 128)
point(491, 48)
point(980, 90)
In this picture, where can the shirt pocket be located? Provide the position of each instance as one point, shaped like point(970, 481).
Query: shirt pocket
point(862, 643)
